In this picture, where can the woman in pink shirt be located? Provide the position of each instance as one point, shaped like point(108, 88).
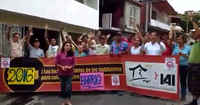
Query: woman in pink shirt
point(65, 62)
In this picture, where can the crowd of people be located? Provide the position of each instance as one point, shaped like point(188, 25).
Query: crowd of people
point(90, 44)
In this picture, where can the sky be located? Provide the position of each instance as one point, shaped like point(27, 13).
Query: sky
point(184, 5)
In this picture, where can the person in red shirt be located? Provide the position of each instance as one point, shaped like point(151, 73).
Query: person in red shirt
point(168, 43)
point(65, 62)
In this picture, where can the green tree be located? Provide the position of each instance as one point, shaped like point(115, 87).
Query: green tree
point(186, 23)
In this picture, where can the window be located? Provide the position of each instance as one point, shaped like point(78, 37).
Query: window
point(107, 20)
point(132, 17)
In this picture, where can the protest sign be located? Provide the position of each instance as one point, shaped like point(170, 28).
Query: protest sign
point(5, 62)
point(92, 81)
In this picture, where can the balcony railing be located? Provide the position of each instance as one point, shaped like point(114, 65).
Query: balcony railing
point(158, 24)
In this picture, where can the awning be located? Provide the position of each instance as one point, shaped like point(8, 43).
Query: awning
point(26, 20)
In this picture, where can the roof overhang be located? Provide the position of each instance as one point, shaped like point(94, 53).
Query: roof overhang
point(7, 17)
point(165, 7)
point(54, 11)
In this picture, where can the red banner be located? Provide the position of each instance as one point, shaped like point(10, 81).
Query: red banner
point(148, 75)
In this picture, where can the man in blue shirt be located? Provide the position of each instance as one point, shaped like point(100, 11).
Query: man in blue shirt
point(118, 46)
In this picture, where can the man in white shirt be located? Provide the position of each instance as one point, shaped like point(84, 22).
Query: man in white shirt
point(52, 49)
point(135, 49)
point(51, 44)
point(102, 48)
point(154, 47)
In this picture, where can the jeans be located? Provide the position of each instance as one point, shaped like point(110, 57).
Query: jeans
point(66, 86)
point(183, 78)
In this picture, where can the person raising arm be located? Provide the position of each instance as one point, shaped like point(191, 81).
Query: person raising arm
point(51, 45)
point(119, 46)
point(35, 51)
point(16, 43)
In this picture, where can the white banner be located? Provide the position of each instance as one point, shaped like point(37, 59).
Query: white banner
point(152, 76)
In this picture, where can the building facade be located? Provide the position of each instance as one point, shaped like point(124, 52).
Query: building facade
point(119, 15)
point(156, 15)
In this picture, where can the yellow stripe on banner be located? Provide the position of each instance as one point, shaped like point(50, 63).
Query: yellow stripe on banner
point(21, 76)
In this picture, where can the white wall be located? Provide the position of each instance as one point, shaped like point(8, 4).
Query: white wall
point(66, 11)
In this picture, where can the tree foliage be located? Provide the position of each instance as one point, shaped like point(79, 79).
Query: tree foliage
point(186, 21)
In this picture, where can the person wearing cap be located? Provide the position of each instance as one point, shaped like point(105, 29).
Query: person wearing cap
point(119, 46)
point(155, 47)
point(52, 45)
point(35, 51)
point(16, 43)
point(194, 67)
point(102, 48)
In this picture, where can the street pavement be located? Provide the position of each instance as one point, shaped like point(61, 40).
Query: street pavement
point(92, 98)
